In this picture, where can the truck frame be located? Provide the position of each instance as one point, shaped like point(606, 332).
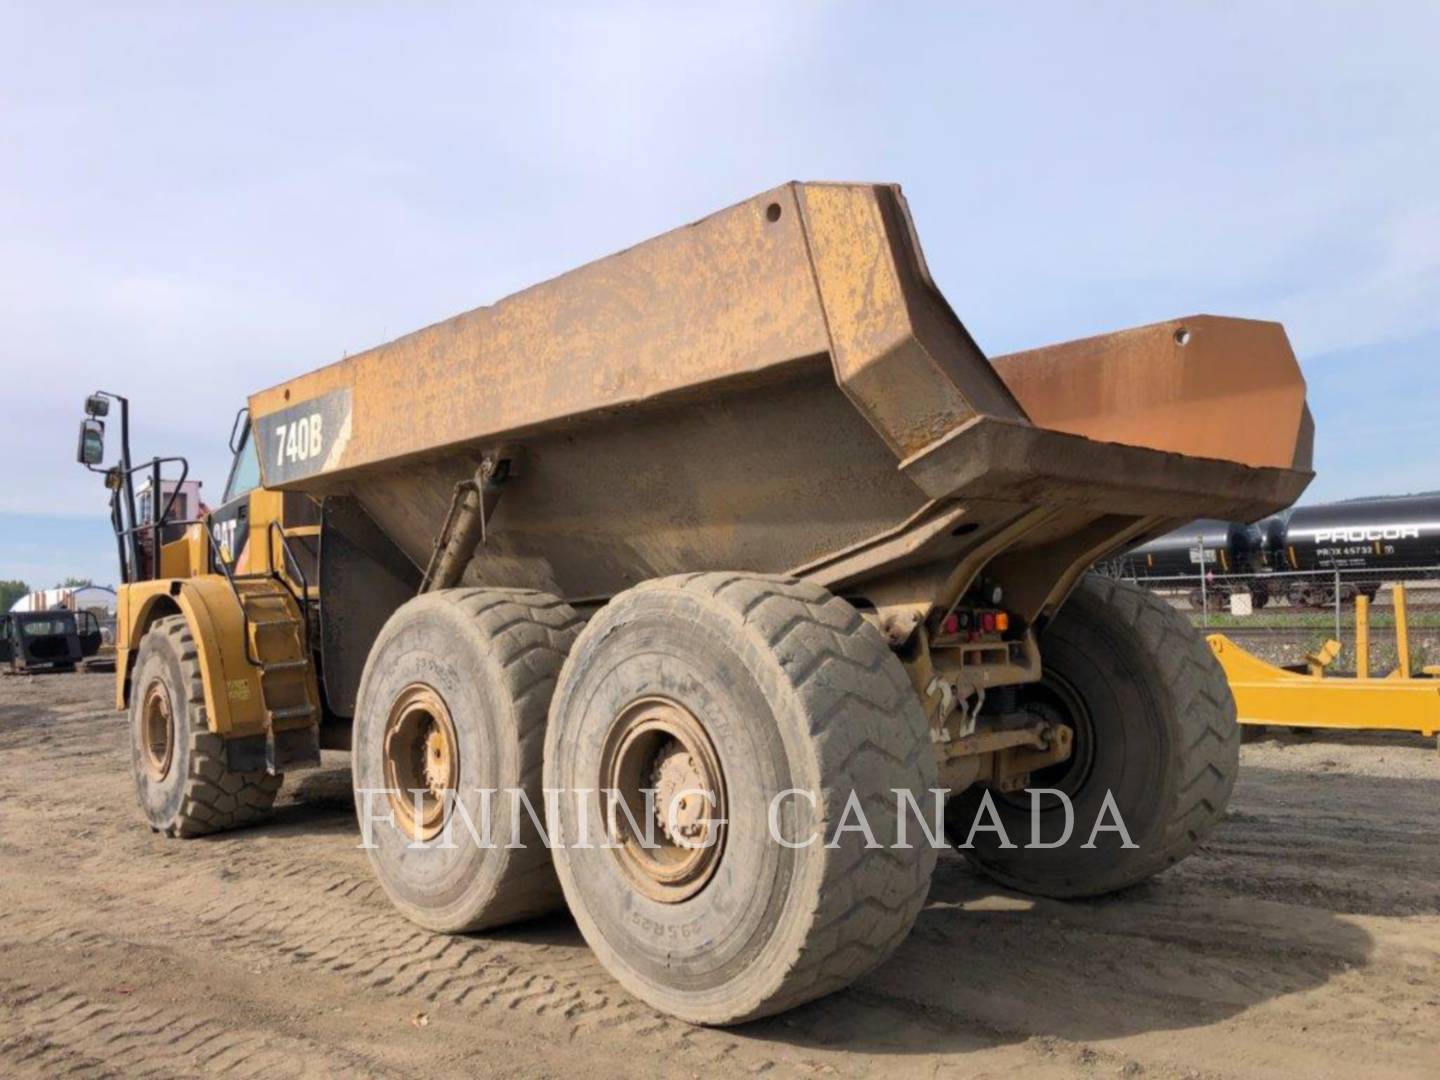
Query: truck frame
point(742, 513)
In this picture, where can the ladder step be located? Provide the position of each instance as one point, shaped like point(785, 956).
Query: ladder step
point(283, 665)
point(289, 712)
point(274, 622)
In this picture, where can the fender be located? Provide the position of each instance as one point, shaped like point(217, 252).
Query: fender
point(233, 702)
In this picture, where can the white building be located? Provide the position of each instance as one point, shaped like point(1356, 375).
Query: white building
point(96, 598)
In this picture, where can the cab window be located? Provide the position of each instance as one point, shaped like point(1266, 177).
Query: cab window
point(46, 627)
point(245, 473)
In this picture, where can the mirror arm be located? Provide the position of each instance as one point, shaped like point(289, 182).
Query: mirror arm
point(130, 563)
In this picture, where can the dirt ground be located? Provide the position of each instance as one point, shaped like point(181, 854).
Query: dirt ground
point(1304, 940)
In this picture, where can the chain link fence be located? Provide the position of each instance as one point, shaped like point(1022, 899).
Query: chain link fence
point(1282, 615)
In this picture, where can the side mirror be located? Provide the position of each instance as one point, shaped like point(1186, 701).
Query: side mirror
point(238, 428)
point(92, 443)
point(97, 405)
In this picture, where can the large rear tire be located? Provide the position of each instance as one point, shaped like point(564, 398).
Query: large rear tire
point(749, 687)
point(184, 786)
point(1154, 726)
point(452, 705)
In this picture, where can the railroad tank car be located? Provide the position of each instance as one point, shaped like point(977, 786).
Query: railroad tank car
point(1272, 539)
point(1376, 535)
point(1223, 547)
point(1365, 534)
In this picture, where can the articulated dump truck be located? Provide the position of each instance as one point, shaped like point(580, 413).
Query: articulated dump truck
point(735, 557)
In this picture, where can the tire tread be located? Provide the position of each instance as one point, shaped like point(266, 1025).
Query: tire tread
point(531, 633)
point(871, 736)
point(216, 799)
point(1205, 708)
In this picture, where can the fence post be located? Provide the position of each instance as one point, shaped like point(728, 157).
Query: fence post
point(1337, 605)
point(1204, 597)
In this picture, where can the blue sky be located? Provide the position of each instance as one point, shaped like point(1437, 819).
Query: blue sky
point(200, 200)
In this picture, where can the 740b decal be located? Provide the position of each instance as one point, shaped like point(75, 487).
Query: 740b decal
point(301, 440)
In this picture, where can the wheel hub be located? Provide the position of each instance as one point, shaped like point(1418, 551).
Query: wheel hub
point(437, 759)
point(157, 731)
point(1056, 701)
point(660, 765)
point(680, 809)
point(422, 761)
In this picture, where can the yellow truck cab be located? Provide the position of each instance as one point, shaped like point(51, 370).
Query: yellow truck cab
point(213, 621)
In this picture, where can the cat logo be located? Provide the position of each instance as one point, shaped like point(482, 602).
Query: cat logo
point(225, 536)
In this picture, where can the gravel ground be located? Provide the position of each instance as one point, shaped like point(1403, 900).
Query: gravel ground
point(1303, 940)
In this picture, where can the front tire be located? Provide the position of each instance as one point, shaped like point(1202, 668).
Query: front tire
point(184, 786)
point(1154, 724)
point(747, 687)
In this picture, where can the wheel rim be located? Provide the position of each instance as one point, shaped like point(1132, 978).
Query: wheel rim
point(422, 755)
point(157, 731)
point(656, 743)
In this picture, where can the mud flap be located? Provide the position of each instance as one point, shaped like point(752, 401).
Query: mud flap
point(296, 748)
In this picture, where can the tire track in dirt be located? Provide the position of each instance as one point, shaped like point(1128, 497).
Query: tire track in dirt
point(1236, 963)
point(53, 1028)
point(269, 914)
point(270, 909)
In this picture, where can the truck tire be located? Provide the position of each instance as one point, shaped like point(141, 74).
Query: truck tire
point(179, 763)
point(758, 687)
point(454, 696)
point(1154, 723)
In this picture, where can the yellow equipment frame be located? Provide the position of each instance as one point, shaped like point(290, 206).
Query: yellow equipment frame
point(1266, 694)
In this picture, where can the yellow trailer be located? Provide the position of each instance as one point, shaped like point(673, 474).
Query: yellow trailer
point(1269, 695)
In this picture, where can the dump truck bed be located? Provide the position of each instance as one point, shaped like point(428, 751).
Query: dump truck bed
point(781, 387)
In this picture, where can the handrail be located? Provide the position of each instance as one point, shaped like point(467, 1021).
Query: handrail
point(301, 604)
point(158, 520)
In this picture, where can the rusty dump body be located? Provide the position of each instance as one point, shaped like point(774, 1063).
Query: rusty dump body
point(780, 387)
